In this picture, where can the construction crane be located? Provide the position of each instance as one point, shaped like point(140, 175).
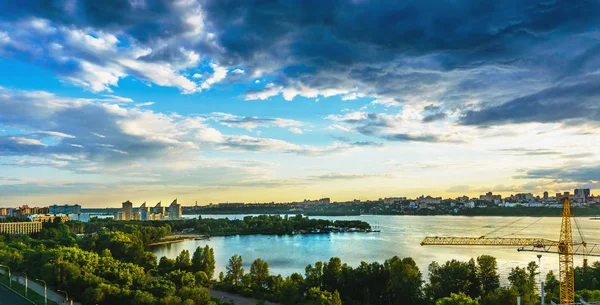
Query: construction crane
point(565, 247)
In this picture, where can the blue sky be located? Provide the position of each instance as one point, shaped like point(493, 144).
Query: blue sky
point(259, 101)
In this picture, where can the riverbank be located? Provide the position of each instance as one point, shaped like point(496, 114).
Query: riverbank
point(175, 238)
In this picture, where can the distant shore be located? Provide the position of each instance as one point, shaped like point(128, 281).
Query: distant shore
point(592, 211)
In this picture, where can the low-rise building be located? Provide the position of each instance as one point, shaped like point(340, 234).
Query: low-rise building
point(20, 227)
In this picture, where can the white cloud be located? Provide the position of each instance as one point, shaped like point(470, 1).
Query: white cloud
point(295, 130)
point(341, 127)
point(57, 134)
point(219, 74)
point(26, 141)
point(144, 104)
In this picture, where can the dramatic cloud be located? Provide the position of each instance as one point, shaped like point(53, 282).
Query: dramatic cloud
point(501, 62)
point(381, 125)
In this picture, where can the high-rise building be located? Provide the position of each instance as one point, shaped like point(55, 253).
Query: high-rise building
point(174, 211)
point(158, 210)
point(144, 212)
point(545, 195)
point(127, 210)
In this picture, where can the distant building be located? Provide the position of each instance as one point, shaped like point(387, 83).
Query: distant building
point(127, 210)
point(582, 194)
point(392, 200)
point(64, 209)
point(49, 217)
point(545, 195)
point(462, 199)
point(429, 200)
point(490, 197)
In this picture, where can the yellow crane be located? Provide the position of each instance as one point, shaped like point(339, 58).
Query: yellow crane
point(565, 247)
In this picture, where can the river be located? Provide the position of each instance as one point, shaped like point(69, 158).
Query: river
point(400, 236)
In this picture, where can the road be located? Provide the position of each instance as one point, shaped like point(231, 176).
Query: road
point(8, 297)
point(234, 298)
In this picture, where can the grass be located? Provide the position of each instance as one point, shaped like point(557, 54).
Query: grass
point(20, 289)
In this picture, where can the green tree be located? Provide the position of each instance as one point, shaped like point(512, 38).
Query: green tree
point(314, 275)
point(199, 295)
point(181, 278)
point(235, 271)
point(457, 299)
point(316, 296)
point(405, 281)
point(523, 280)
point(487, 272)
point(208, 262)
point(500, 296)
point(259, 271)
point(165, 265)
point(332, 274)
point(197, 259)
point(182, 261)
point(551, 288)
point(452, 277)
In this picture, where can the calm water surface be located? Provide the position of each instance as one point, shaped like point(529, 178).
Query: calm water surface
point(400, 236)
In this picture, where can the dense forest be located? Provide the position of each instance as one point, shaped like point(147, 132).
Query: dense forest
point(112, 265)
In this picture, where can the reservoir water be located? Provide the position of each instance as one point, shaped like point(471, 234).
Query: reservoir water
point(400, 236)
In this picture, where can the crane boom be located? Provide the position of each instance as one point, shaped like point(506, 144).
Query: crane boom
point(486, 241)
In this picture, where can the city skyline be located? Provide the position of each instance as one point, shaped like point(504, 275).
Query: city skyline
point(200, 101)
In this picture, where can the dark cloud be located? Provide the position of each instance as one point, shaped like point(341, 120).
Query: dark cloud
point(529, 151)
point(382, 126)
point(568, 173)
point(341, 139)
point(403, 137)
point(366, 143)
point(555, 104)
point(432, 113)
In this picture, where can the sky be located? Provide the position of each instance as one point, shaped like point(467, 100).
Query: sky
point(259, 101)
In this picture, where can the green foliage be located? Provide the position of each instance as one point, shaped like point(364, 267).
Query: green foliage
point(199, 295)
point(182, 261)
point(452, 277)
point(457, 299)
point(551, 288)
point(317, 297)
point(234, 270)
point(208, 262)
point(259, 271)
point(487, 272)
point(523, 281)
point(500, 296)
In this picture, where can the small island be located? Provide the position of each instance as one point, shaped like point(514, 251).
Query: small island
point(204, 228)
